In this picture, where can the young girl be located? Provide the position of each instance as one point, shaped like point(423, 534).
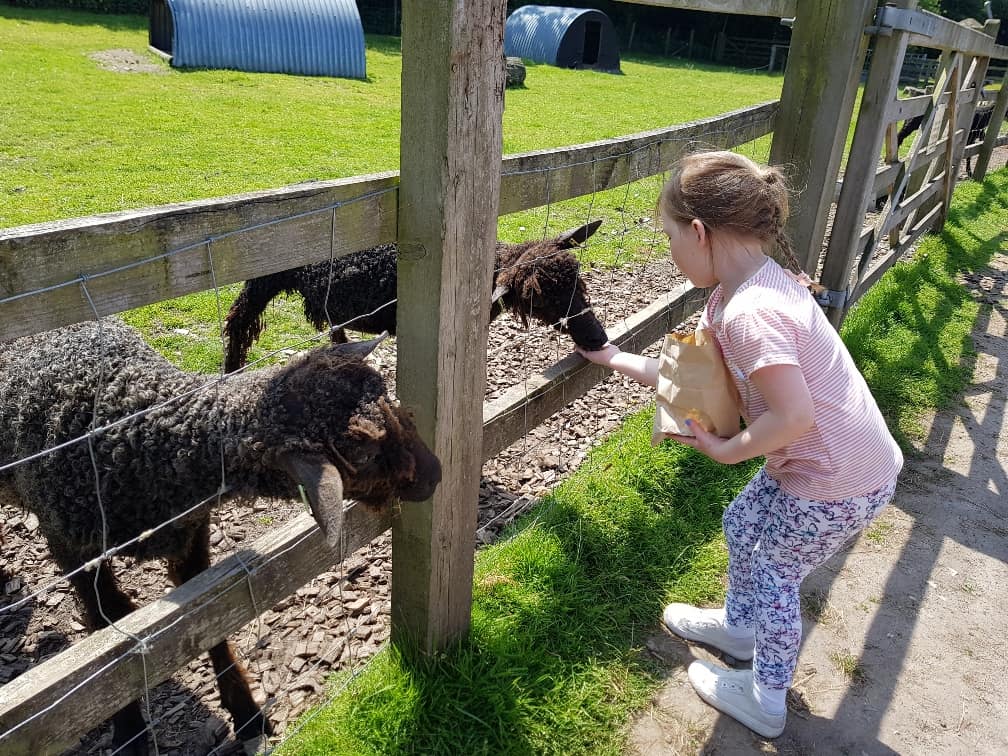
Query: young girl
point(831, 463)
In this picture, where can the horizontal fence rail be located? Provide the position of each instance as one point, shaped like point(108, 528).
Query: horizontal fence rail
point(776, 8)
point(951, 35)
point(136, 258)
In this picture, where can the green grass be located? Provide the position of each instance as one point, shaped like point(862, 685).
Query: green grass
point(849, 666)
point(128, 140)
point(561, 608)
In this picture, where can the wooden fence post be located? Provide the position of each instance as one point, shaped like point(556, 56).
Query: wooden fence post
point(993, 128)
point(820, 82)
point(452, 104)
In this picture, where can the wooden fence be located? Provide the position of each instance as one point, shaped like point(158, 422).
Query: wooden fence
point(126, 260)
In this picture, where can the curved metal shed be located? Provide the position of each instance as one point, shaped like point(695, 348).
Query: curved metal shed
point(312, 37)
point(567, 37)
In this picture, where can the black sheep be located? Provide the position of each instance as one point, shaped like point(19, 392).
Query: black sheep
point(533, 280)
point(165, 440)
point(977, 130)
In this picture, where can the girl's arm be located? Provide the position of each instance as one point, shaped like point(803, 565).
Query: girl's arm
point(789, 415)
point(641, 369)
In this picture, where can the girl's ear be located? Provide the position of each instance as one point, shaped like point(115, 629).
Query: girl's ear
point(700, 230)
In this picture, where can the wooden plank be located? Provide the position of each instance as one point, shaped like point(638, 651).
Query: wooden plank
point(136, 258)
point(951, 35)
point(908, 206)
point(133, 258)
point(928, 136)
point(450, 147)
point(46, 709)
point(894, 256)
point(526, 405)
point(993, 130)
point(951, 159)
point(883, 77)
point(531, 179)
point(974, 149)
point(884, 177)
point(778, 8)
point(821, 80)
point(909, 107)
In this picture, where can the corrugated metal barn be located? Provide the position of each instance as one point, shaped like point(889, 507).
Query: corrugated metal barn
point(311, 37)
point(566, 37)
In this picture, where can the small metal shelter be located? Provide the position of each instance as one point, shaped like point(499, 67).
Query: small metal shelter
point(566, 37)
point(311, 37)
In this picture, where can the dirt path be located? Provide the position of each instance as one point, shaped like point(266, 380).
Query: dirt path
point(904, 648)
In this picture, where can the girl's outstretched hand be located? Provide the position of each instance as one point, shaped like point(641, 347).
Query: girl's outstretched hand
point(705, 442)
point(601, 356)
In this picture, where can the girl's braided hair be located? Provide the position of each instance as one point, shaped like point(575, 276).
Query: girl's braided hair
point(727, 191)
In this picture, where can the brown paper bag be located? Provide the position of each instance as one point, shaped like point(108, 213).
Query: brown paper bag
point(693, 383)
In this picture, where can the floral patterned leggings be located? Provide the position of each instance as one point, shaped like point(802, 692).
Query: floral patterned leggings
point(774, 541)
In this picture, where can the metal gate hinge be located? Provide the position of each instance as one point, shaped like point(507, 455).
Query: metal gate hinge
point(889, 18)
point(831, 298)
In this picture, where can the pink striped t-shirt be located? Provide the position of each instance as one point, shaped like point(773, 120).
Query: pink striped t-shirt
point(773, 320)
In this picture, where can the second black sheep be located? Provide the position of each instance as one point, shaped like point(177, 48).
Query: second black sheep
point(534, 280)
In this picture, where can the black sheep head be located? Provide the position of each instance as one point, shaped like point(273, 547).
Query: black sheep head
point(541, 281)
point(339, 436)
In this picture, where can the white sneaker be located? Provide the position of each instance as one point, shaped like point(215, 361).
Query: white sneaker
point(706, 626)
point(731, 691)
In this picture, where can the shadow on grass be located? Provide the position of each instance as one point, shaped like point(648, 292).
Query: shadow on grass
point(112, 22)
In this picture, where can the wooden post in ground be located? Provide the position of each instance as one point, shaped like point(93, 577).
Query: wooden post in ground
point(993, 129)
point(452, 103)
point(951, 163)
point(820, 82)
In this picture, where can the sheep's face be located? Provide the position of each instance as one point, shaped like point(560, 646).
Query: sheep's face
point(332, 405)
point(541, 281)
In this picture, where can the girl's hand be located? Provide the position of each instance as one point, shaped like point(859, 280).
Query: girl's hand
point(713, 446)
point(603, 356)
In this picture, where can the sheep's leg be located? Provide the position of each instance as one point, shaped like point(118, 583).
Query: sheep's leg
point(104, 602)
point(244, 321)
point(235, 692)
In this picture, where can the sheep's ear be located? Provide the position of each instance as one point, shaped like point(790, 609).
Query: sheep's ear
point(579, 235)
point(498, 293)
point(360, 348)
point(322, 485)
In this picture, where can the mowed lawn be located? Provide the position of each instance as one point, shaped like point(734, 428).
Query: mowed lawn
point(76, 139)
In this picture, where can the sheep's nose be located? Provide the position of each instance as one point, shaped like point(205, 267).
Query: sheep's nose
point(426, 479)
point(587, 332)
